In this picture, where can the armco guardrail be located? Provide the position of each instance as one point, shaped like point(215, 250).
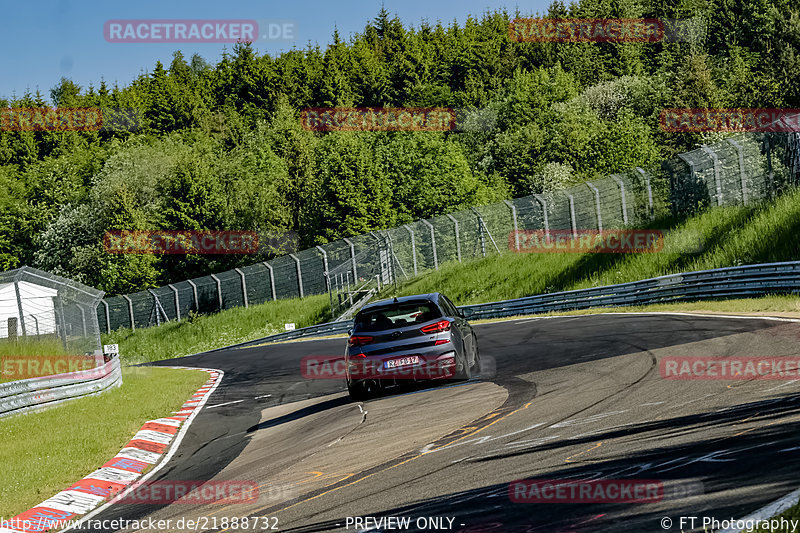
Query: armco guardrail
point(37, 393)
point(750, 280)
point(728, 282)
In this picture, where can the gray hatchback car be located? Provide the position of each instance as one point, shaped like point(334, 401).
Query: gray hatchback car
point(419, 337)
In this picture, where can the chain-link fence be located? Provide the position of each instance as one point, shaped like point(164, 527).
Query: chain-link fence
point(739, 170)
point(36, 306)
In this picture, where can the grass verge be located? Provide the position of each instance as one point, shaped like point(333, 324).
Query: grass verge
point(792, 513)
point(44, 453)
point(201, 333)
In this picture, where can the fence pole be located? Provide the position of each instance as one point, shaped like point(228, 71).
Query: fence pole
point(219, 289)
point(572, 215)
point(597, 205)
point(482, 227)
point(130, 311)
point(36, 323)
point(742, 173)
point(646, 177)
point(770, 173)
point(458, 237)
point(244, 287)
point(155, 307)
point(108, 316)
point(413, 247)
point(544, 212)
point(177, 301)
point(194, 293)
point(622, 199)
point(514, 220)
point(352, 258)
point(83, 320)
point(271, 279)
point(299, 274)
point(325, 267)
point(717, 182)
point(19, 306)
point(433, 243)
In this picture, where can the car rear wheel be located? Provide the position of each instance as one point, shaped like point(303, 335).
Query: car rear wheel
point(463, 368)
point(476, 367)
point(359, 392)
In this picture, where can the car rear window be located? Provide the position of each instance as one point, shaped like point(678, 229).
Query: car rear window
point(397, 315)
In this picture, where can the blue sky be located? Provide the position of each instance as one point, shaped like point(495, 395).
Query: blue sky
point(44, 41)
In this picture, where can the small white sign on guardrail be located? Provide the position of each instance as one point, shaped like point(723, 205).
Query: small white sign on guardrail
point(111, 349)
point(289, 327)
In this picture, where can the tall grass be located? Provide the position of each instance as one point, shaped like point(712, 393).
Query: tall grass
point(731, 235)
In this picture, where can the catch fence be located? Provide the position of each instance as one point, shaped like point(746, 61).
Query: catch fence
point(739, 170)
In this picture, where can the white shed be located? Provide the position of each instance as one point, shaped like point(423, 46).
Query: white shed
point(30, 306)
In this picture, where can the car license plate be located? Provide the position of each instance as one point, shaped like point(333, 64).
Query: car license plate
point(402, 361)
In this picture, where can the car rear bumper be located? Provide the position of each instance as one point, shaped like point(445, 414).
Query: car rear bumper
point(438, 363)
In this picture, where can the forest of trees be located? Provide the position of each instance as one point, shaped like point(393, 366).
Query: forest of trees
point(221, 145)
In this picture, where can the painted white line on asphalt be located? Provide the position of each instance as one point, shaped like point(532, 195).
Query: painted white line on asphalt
point(265, 396)
point(173, 449)
point(226, 403)
point(768, 511)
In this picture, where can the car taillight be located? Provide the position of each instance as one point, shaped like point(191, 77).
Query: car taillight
point(441, 341)
point(360, 340)
point(442, 325)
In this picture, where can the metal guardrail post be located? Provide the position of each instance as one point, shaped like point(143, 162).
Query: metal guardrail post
point(413, 247)
point(219, 289)
point(622, 199)
point(194, 293)
point(646, 177)
point(458, 237)
point(742, 173)
point(433, 243)
point(271, 279)
point(717, 171)
point(244, 287)
point(572, 214)
point(177, 301)
point(597, 205)
point(299, 274)
point(108, 316)
point(325, 267)
point(514, 220)
point(353, 258)
point(541, 200)
point(130, 312)
point(19, 306)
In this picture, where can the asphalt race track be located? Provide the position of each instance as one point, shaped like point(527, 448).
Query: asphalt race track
point(571, 397)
